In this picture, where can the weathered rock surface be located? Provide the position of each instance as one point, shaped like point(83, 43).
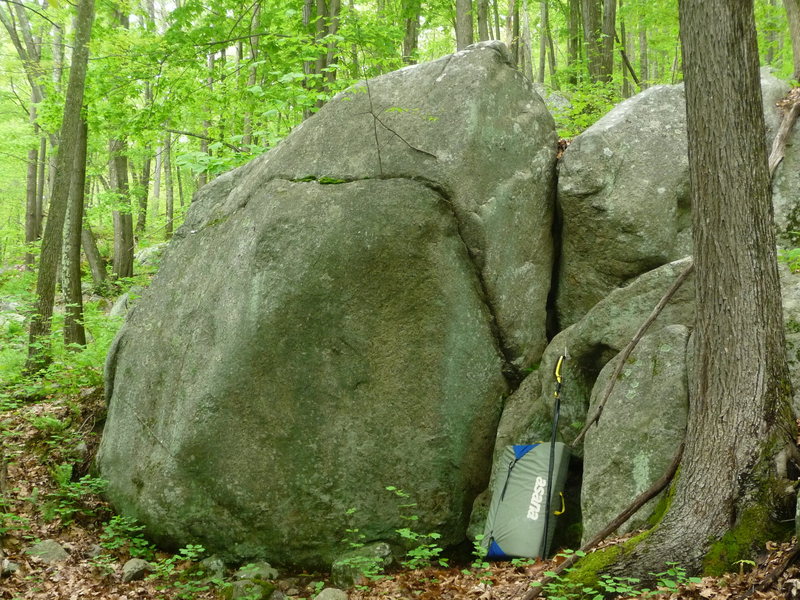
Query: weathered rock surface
point(472, 128)
point(599, 336)
point(136, 569)
point(642, 426)
point(623, 190)
point(48, 551)
point(329, 310)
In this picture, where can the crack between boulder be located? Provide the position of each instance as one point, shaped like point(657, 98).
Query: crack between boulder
point(511, 373)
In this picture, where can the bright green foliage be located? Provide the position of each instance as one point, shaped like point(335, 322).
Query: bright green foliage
point(124, 534)
point(72, 498)
point(184, 583)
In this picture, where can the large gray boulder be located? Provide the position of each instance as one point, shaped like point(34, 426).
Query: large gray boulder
point(337, 317)
point(590, 344)
point(623, 190)
point(642, 426)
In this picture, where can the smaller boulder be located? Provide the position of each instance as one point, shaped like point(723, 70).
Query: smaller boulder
point(8, 568)
point(48, 551)
point(331, 594)
point(356, 566)
point(642, 425)
point(213, 567)
point(247, 589)
point(135, 570)
point(256, 570)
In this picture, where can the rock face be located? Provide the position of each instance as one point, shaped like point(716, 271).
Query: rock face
point(623, 189)
point(337, 317)
point(643, 424)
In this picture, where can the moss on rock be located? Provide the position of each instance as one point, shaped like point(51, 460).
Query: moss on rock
point(754, 528)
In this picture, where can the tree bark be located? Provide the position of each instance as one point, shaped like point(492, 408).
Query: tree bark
point(464, 36)
point(96, 264)
point(122, 263)
point(573, 39)
point(41, 182)
point(38, 350)
point(412, 10)
point(739, 413)
point(526, 54)
point(793, 17)
point(542, 40)
point(142, 192)
point(168, 191)
point(592, 37)
point(608, 36)
point(74, 333)
point(484, 26)
point(31, 223)
point(643, 65)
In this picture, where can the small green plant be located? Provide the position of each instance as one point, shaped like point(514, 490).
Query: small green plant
point(426, 551)
point(791, 256)
point(125, 534)
point(366, 565)
point(184, 583)
point(105, 564)
point(742, 564)
point(479, 563)
point(316, 587)
point(674, 577)
point(10, 522)
point(72, 497)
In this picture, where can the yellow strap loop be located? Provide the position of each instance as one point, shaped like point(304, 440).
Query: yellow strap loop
point(563, 505)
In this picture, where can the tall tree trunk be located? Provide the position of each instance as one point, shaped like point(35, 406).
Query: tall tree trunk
point(644, 72)
point(74, 333)
point(573, 39)
point(412, 10)
point(168, 190)
point(607, 40)
point(542, 39)
point(157, 180)
point(484, 27)
point(142, 192)
point(739, 414)
point(623, 35)
point(793, 17)
point(96, 264)
point(202, 177)
point(496, 12)
point(551, 55)
point(247, 138)
point(526, 52)
point(180, 185)
point(31, 224)
point(38, 351)
point(464, 36)
point(122, 264)
point(592, 37)
point(41, 183)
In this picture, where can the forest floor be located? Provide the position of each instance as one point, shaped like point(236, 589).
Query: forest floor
point(47, 493)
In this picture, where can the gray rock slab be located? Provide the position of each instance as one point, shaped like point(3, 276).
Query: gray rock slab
point(332, 594)
point(349, 332)
point(48, 551)
point(642, 426)
point(136, 569)
point(471, 126)
point(623, 190)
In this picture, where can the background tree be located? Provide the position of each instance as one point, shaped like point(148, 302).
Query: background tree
point(51, 242)
point(739, 417)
